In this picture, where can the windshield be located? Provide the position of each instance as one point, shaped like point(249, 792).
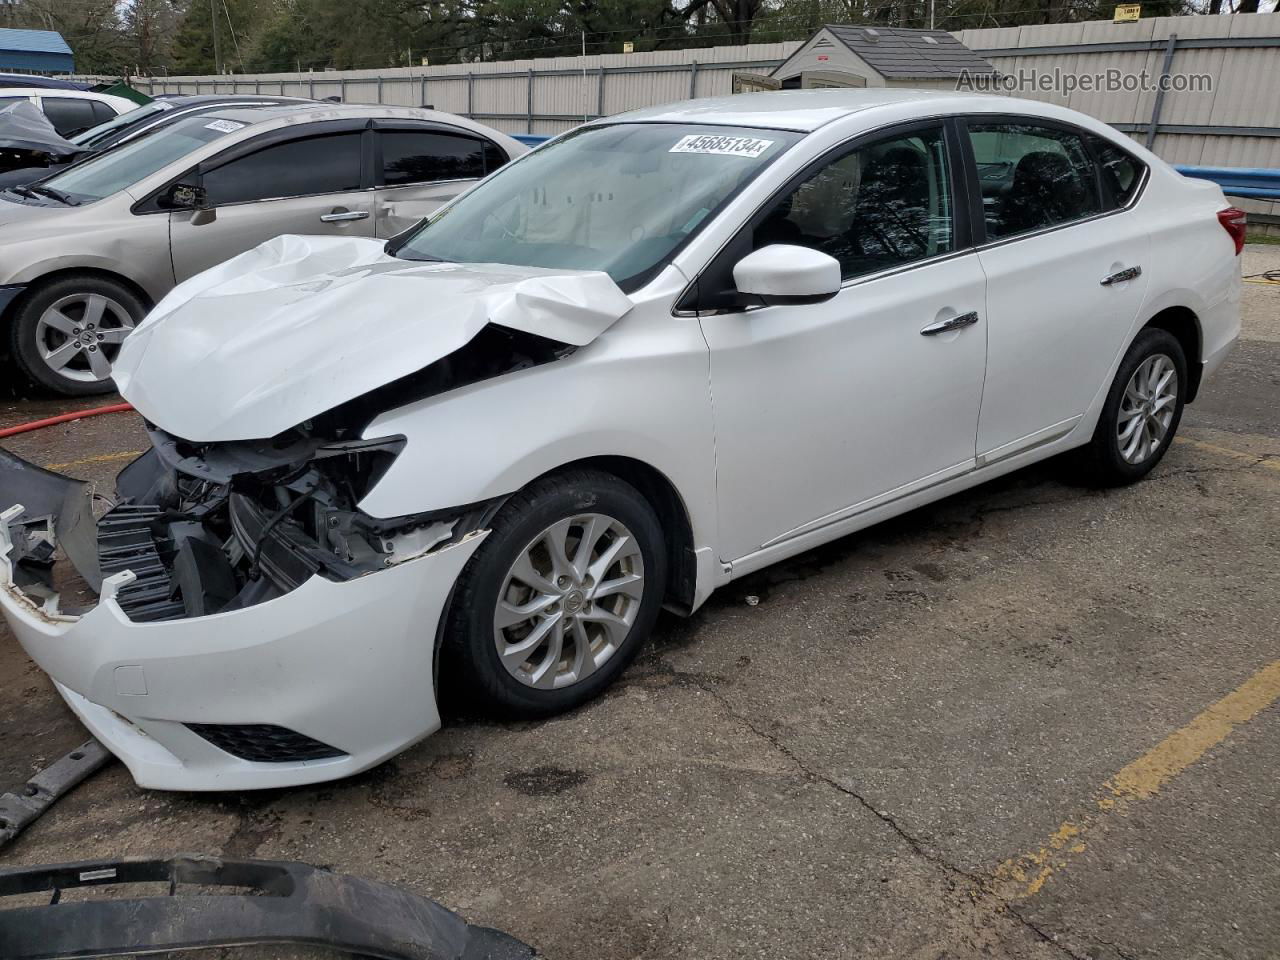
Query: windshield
point(616, 198)
point(114, 170)
point(95, 135)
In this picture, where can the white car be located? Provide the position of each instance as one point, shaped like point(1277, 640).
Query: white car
point(70, 111)
point(658, 353)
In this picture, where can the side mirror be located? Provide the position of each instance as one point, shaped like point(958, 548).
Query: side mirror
point(186, 196)
point(785, 274)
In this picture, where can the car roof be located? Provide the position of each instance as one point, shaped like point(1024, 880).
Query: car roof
point(313, 110)
point(60, 92)
point(801, 110)
point(192, 99)
point(44, 83)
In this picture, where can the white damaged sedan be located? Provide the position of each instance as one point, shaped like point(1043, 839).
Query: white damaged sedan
point(658, 353)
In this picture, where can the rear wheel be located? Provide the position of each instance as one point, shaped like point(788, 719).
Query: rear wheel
point(66, 333)
point(558, 599)
point(1142, 410)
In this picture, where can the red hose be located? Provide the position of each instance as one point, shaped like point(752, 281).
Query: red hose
point(63, 418)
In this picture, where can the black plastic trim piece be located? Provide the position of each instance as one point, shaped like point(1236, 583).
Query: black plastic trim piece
point(285, 903)
point(265, 742)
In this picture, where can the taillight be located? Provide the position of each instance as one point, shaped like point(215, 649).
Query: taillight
point(1233, 221)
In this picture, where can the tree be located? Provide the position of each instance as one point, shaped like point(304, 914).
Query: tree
point(148, 28)
point(231, 25)
point(90, 27)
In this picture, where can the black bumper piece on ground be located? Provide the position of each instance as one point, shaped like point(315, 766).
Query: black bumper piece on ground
point(278, 902)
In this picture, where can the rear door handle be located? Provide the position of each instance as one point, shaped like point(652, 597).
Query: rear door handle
point(953, 323)
point(1120, 276)
point(338, 216)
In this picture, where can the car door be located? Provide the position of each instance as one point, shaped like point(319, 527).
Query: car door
point(826, 410)
point(420, 166)
point(306, 180)
point(1063, 256)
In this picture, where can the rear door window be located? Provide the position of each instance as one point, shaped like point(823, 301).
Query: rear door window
point(328, 163)
point(67, 115)
point(427, 156)
point(1032, 177)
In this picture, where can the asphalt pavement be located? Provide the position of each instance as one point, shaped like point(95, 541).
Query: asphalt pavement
point(1033, 720)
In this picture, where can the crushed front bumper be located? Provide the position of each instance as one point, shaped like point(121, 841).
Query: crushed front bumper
point(343, 664)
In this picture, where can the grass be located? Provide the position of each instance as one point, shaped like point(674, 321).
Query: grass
point(1263, 238)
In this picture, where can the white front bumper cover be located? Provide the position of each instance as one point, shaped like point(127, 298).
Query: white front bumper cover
point(348, 664)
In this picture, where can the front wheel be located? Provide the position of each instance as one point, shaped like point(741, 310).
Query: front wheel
point(1142, 410)
point(558, 599)
point(67, 332)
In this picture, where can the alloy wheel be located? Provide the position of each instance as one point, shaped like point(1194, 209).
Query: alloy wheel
point(1147, 408)
point(569, 601)
point(79, 335)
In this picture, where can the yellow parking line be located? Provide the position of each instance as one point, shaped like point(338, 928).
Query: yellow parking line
point(1229, 452)
point(1024, 876)
point(100, 458)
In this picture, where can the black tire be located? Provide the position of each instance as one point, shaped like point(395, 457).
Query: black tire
point(1102, 461)
point(472, 677)
point(25, 326)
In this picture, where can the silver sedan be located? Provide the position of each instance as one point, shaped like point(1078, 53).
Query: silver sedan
point(87, 252)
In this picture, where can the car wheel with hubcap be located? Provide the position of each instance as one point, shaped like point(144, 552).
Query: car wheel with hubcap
point(559, 597)
point(67, 333)
point(1142, 410)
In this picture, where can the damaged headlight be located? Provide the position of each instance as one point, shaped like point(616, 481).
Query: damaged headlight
point(220, 526)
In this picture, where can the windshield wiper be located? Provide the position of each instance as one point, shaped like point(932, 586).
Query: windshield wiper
point(58, 195)
point(422, 258)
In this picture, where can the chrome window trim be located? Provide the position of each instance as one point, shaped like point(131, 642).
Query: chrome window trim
point(292, 196)
point(427, 183)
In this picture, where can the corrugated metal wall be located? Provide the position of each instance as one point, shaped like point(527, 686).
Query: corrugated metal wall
point(543, 96)
point(1237, 123)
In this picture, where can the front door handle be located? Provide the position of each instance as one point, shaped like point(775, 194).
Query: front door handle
point(953, 323)
point(1120, 276)
point(339, 216)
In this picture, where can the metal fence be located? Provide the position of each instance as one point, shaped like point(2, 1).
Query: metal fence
point(1234, 123)
point(545, 96)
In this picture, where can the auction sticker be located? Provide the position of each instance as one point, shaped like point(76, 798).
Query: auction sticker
point(223, 126)
point(723, 146)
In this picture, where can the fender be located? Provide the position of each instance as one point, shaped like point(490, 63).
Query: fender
point(154, 284)
point(644, 396)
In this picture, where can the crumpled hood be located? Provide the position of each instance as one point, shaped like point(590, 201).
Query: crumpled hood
point(298, 325)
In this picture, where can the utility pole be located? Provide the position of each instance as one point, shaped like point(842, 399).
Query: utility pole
point(213, 25)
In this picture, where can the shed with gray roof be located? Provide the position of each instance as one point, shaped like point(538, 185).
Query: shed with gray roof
point(866, 56)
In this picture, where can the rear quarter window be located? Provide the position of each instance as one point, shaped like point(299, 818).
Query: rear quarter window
point(1121, 173)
